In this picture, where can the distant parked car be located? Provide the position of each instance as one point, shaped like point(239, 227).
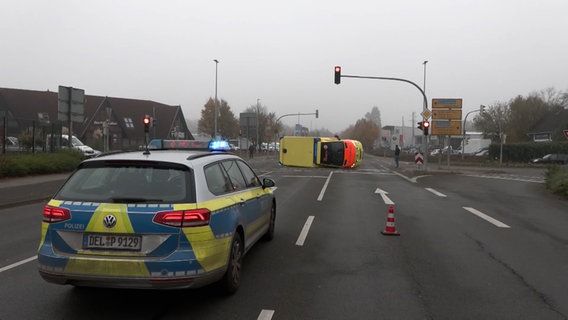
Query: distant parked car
point(553, 158)
point(482, 153)
point(444, 150)
point(12, 144)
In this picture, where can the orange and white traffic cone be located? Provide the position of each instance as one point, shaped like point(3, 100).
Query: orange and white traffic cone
point(390, 229)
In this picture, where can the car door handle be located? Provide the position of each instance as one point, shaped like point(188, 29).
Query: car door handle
point(242, 202)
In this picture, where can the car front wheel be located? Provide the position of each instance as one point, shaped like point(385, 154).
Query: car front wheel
point(270, 233)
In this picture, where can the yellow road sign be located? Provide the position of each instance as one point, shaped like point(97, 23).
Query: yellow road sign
point(446, 127)
point(446, 103)
point(444, 114)
point(426, 114)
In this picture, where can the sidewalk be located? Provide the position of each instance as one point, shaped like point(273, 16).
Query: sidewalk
point(22, 190)
point(22, 181)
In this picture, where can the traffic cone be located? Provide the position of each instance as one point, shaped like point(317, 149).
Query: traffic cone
point(390, 229)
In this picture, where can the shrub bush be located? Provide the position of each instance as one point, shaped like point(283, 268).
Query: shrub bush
point(23, 164)
point(557, 180)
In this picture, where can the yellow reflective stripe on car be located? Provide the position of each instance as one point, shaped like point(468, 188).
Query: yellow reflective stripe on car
point(119, 210)
point(54, 203)
point(44, 226)
point(211, 251)
point(108, 267)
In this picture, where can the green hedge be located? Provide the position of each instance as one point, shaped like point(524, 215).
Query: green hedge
point(557, 180)
point(24, 164)
point(524, 152)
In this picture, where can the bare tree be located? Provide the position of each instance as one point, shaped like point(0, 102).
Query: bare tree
point(493, 122)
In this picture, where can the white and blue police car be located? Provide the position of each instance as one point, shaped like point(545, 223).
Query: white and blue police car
point(161, 218)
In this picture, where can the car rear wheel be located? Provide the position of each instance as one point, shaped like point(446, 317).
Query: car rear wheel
point(232, 278)
point(270, 233)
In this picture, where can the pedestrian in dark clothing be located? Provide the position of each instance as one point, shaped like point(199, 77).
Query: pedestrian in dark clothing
point(251, 151)
point(396, 155)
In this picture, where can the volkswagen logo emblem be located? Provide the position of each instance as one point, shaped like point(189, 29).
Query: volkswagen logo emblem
point(109, 221)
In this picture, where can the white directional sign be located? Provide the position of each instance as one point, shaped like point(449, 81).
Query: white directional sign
point(71, 102)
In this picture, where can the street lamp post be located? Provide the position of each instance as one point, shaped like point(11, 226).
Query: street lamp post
point(257, 124)
point(216, 105)
point(424, 108)
point(424, 84)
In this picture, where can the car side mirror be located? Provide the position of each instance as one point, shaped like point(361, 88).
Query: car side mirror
point(267, 183)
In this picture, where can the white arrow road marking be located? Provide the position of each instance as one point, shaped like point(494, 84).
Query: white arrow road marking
point(439, 194)
point(383, 194)
point(486, 217)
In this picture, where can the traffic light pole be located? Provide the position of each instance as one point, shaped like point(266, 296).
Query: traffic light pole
point(297, 114)
point(424, 108)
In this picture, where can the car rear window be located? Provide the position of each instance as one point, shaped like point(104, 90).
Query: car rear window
point(129, 183)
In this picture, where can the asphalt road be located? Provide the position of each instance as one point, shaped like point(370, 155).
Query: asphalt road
point(477, 244)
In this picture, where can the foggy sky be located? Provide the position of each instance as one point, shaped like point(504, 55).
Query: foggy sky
point(283, 53)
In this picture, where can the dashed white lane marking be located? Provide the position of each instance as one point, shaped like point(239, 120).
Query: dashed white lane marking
point(265, 315)
point(305, 230)
point(486, 217)
point(322, 192)
point(19, 263)
point(439, 194)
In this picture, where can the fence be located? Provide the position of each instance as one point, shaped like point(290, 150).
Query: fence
point(24, 135)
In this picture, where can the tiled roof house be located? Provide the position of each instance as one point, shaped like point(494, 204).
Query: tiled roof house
point(21, 110)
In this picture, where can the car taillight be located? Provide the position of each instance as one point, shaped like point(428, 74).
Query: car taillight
point(183, 218)
point(55, 214)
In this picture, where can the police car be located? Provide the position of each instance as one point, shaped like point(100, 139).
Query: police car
point(156, 219)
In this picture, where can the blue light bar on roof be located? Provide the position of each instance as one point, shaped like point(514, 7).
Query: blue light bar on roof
point(219, 145)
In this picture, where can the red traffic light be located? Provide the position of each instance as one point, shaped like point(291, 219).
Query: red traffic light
point(337, 74)
point(147, 123)
point(426, 126)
